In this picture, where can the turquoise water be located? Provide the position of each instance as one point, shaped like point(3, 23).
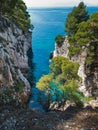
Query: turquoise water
point(48, 22)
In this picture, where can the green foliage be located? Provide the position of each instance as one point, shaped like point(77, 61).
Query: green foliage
point(94, 26)
point(71, 92)
point(7, 6)
point(21, 16)
point(73, 50)
point(19, 86)
point(78, 15)
point(61, 65)
point(61, 83)
point(82, 35)
point(60, 79)
point(71, 25)
point(70, 70)
point(56, 64)
point(87, 32)
point(44, 82)
point(16, 11)
point(94, 17)
point(90, 55)
point(59, 40)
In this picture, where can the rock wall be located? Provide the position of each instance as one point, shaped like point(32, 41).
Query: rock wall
point(91, 71)
point(81, 58)
point(62, 50)
point(14, 45)
point(89, 74)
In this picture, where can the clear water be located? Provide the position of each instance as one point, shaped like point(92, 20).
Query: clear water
point(48, 22)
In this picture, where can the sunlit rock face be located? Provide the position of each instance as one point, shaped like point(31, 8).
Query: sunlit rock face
point(62, 50)
point(89, 75)
point(14, 45)
point(81, 71)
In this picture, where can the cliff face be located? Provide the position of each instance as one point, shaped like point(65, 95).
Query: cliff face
point(14, 45)
point(89, 74)
point(91, 71)
point(62, 50)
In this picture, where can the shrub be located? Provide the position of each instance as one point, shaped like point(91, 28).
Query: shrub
point(19, 86)
point(44, 82)
point(59, 40)
point(61, 83)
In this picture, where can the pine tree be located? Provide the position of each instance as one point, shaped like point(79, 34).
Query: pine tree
point(78, 15)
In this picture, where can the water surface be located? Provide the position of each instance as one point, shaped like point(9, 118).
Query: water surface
point(48, 22)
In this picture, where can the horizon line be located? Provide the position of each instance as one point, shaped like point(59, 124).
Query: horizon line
point(57, 6)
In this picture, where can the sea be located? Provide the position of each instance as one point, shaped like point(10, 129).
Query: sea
point(48, 23)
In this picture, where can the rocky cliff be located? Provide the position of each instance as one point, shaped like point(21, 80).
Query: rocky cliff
point(14, 45)
point(88, 73)
point(91, 71)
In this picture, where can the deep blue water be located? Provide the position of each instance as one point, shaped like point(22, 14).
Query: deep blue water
point(48, 22)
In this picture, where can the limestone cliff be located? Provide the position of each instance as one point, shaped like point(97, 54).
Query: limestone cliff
point(91, 71)
point(14, 45)
point(88, 73)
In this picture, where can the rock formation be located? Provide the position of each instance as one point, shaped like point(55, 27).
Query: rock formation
point(89, 74)
point(14, 45)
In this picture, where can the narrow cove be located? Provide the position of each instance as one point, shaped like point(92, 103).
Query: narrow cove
point(48, 22)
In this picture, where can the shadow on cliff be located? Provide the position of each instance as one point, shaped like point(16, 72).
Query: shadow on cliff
point(31, 77)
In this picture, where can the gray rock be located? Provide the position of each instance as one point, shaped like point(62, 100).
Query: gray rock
point(14, 61)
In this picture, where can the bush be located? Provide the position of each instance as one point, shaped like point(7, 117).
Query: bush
point(56, 64)
point(44, 82)
point(16, 11)
point(61, 84)
point(72, 93)
point(59, 40)
point(19, 86)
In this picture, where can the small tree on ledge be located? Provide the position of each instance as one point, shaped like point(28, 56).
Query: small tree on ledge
point(59, 40)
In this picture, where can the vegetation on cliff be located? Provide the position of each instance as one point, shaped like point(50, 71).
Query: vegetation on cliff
point(15, 40)
point(82, 30)
point(79, 14)
point(15, 11)
point(59, 40)
point(86, 33)
point(61, 84)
